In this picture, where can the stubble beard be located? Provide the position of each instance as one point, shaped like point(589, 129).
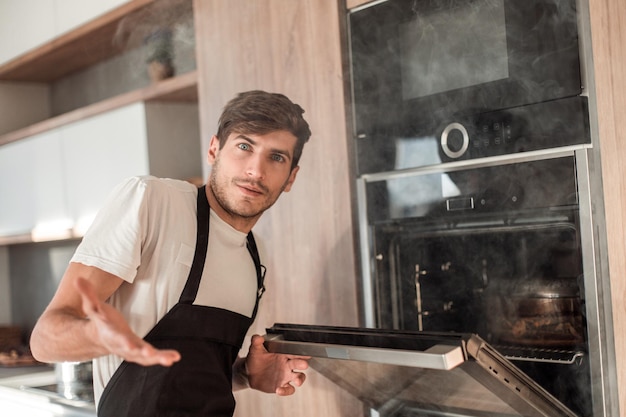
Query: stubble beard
point(219, 188)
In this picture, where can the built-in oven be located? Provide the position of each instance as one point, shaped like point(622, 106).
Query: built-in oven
point(474, 172)
point(487, 246)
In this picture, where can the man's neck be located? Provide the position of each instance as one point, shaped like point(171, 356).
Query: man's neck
point(242, 224)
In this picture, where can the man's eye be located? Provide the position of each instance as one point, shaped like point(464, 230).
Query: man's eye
point(278, 158)
point(244, 146)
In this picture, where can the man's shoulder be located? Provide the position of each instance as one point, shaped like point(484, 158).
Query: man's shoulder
point(161, 186)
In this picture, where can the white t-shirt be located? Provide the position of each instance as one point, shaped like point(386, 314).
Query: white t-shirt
point(146, 234)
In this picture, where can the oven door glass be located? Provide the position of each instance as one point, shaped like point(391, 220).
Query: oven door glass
point(388, 372)
point(535, 188)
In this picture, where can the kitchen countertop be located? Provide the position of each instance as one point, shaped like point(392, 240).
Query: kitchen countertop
point(18, 400)
point(15, 371)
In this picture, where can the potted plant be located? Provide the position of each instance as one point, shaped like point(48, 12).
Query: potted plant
point(160, 54)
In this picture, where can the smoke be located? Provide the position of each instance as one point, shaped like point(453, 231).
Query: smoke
point(175, 15)
point(143, 31)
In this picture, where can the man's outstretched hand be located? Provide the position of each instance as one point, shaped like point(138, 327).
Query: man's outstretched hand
point(114, 334)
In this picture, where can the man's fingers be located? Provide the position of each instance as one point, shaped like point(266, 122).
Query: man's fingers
point(148, 355)
point(299, 363)
point(165, 357)
point(285, 390)
point(290, 387)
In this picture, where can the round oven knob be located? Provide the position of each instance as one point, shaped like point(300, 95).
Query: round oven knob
point(454, 140)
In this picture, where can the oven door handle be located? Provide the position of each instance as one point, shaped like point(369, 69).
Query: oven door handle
point(441, 357)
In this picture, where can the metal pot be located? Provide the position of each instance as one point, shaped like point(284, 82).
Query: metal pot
point(542, 312)
point(74, 380)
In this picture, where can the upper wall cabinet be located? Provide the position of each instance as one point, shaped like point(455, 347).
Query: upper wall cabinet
point(80, 111)
point(160, 139)
point(98, 65)
point(31, 178)
point(27, 24)
point(56, 181)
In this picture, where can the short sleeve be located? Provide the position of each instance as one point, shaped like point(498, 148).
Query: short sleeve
point(114, 240)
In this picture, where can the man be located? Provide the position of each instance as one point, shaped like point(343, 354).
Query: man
point(165, 284)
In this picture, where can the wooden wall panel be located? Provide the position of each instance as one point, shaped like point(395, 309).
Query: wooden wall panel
point(292, 47)
point(608, 26)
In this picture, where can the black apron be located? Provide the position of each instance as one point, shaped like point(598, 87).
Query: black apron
point(208, 339)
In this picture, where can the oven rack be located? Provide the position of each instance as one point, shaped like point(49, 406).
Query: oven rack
point(533, 354)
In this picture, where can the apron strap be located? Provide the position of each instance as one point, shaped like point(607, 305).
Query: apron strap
point(260, 272)
point(202, 242)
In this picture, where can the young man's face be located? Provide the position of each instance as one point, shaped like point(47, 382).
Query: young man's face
point(249, 173)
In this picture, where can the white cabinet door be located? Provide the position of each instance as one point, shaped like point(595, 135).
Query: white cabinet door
point(99, 152)
point(56, 182)
point(27, 24)
point(24, 24)
point(72, 13)
point(31, 186)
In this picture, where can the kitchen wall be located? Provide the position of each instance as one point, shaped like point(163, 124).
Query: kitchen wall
point(22, 104)
point(35, 270)
point(5, 287)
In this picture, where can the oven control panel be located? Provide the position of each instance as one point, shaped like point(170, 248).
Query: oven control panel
point(538, 126)
point(432, 140)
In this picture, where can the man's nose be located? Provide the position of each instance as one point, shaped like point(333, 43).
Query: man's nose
point(256, 166)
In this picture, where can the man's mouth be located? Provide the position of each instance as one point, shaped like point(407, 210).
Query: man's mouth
point(251, 188)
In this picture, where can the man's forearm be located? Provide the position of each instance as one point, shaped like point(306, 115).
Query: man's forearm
point(62, 335)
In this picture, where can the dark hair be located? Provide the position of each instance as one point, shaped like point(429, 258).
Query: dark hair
point(259, 112)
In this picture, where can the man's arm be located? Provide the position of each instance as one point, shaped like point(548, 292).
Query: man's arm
point(78, 325)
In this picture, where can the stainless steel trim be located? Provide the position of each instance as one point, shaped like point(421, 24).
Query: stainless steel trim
point(477, 163)
point(440, 357)
point(444, 140)
point(366, 5)
point(597, 298)
point(595, 248)
point(366, 256)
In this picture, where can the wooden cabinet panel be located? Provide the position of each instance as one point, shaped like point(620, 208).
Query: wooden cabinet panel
point(608, 20)
point(292, 47)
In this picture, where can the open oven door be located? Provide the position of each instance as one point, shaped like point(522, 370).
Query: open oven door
point(403, 373)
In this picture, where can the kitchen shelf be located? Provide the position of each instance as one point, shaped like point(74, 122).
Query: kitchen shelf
point(111, 34)
point(182, 88)
point(78, 49)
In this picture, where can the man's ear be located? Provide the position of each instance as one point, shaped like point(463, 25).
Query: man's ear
point(292, 178)
point(214, 147)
